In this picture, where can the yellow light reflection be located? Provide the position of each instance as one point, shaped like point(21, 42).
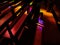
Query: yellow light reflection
point(48, 16)
point(16, 3)
point(17, 8)
point(32, 16)
point(26, 13)
point(18, 14)
point(40, 24)
point(45, 12)
point(58, 22)
point(31, 3)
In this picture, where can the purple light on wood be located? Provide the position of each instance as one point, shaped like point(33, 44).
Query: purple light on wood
point(40, 21)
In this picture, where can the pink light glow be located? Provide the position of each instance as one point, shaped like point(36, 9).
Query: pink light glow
point(30, 8)
point(6, 34)
point(41, 23)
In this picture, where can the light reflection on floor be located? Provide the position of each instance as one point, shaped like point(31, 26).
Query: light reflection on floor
point(7, 35)
point(17, 8)
point(50, 18)
point(39, 28)
point(17, 25)
point(48, 15)
point(41, 22)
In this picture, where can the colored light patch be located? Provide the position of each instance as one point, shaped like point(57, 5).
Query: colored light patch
point(32, 16)
point(5, 18)
point(13, 0)
point(45, 12)
point(16, 3)
point(10, 22)
point(40, 28)
point(18, 14)
point(7, 35)
point(31, 3)
point(17, 8)
point(4, 10)
point(26, 13)
point(3, 30)
point(4, 1)
point(58, 22)
point(40, 23)
point(30, 8)
point(48, 15)
point(9, 7)
point(18, 24)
